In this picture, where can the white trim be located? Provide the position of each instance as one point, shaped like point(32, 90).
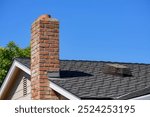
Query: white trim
point(13, 67)
point(63, 92)
point(145, 97)
point(7, 79)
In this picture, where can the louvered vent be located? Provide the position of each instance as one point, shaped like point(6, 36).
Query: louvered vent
point(24, 86)
point(117, 69)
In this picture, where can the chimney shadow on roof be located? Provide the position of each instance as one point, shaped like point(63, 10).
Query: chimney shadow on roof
point(69, 74)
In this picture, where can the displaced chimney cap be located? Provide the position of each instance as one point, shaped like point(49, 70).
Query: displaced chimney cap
point(117, 69)
point(44, 17)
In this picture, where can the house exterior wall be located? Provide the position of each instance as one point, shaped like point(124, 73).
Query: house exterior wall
point(17, 90)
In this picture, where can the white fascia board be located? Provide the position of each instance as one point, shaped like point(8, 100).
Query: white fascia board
point(145, 97)
point(63, 92)
point(7, 79)
point(13, 67)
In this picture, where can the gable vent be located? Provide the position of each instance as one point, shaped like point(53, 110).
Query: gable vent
point(117, 69)
point(24, 86)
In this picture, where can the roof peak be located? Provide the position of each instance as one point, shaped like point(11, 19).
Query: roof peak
point(112, 62)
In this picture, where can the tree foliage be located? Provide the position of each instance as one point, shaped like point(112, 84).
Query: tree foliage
point(7, 55)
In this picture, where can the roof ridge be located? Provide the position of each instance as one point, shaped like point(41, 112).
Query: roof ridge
point(93, 61)
point(106, 61)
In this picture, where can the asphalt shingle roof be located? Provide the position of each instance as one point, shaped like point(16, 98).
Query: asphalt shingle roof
point(86, 79)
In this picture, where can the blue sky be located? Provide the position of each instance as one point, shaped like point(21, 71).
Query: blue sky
point(107, 30)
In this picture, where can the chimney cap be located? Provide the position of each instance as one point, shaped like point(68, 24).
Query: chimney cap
point(44, 17)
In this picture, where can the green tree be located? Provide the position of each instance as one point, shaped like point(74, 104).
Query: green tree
point(7, 55)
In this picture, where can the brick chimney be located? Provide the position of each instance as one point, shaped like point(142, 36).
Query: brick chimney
point(44, 56)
